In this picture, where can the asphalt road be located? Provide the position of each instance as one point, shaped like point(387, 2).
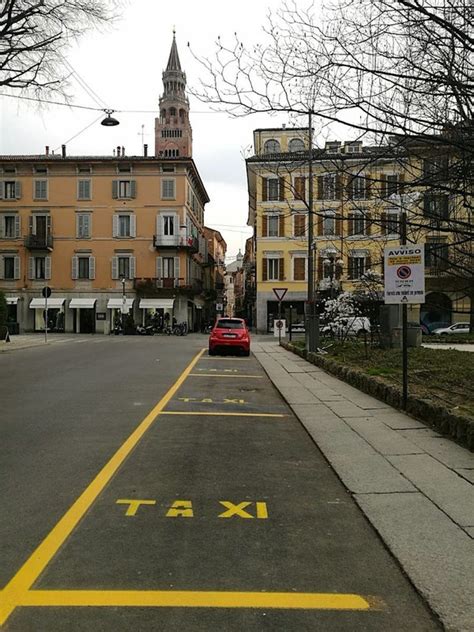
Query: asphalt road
point(130, 506)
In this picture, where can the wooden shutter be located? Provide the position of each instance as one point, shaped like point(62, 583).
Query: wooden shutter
point(338, 272)
point(349, 189)
point(31, 267)
point(2, 226)
point(264, 269)
point(159, 271)
point(282, 189)
point(17, 226)
point(133, 188)
point(2, 267)
point(368, 223)
point(383, 223)
point(264, 189)
point(115, 189)
point(368, 263)
point(350, 266)
point(319, 224)
point(368, 186)
point(92, 268)
point(320, 187)
point(47, 267)
point(176, 270)
point(48, 225)
point(17, 267)
point(350, 224)
point(17, 189)
point(281, 269)
point(133, 226)
point(281, 228)
point(158, 224)
point(264, 226)
point(2, 189)
point(32, 225)
point(300, 188)
point(401, 183)
point(299, 225)
point(115, 226)
point(74, 267)
point(338, 227)
point(338, 186)
point(320, 268)
point(299, 268)
point(114, 267)
point(131, 268)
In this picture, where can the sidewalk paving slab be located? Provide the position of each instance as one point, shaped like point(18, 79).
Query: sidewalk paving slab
point(381, 438)
point(440, 448)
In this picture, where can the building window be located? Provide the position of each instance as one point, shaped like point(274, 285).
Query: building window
point(393, 222)
point(124, 267)
point(357, 224)
point(299, 268)
point(40, 268)
point(124, 189)
point(9, 226)
point(329, 224)
point(300, 188)
point(271, 146)
point(296, 144)
point(273, 225)
point(357, 266)
point(273, 269)
point(124, 225)
point(436, 207)
point(391, 184)
point(84, 190)
point(41, 190)
point(83, 268)
point(9, 267)
point(83, 225)
point(168, 267)
point(299, 225)
point(124, 168)
point(273, 189)
point(358, 188)
point(436, 255)
point(11, 190)
point(328, 183)
point(169, 227)
point(168, 189)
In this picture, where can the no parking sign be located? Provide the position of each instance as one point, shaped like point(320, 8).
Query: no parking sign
point(404, 274)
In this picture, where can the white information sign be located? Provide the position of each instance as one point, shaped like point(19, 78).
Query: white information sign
point(404, 274)
point(279, 328)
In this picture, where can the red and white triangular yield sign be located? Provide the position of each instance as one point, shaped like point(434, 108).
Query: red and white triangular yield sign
point(280, 292)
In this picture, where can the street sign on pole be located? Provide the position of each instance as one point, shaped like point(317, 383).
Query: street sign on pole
point(46, 292)
point(404, 268)
point(280, 292)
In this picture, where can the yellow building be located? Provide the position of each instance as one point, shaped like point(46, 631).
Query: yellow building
point(358, 195)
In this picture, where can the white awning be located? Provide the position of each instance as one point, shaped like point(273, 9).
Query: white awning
point(162, 303)
point(82, 303)
point(12, 300)
point(40, 303)
point(116, 303)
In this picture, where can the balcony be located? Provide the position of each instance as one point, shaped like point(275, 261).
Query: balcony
point(176, 241)
point(39, 242)
point(165, 287)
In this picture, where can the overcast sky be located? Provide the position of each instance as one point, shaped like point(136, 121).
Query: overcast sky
point(123, 67)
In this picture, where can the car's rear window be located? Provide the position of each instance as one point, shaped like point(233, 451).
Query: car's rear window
point(228, 323)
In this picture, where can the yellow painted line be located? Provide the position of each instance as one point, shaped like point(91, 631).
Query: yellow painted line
point(183, 412)
point(194, 599)
point(224, 375)
point(19, 585)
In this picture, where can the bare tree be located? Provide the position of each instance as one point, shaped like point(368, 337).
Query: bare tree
point(35, 33)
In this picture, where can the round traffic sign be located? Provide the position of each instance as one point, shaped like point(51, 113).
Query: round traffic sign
point(279, 324)
point(46, 291)
point(404, 272)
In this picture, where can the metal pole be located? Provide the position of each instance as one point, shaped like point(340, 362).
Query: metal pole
point(403, 241)
point(279, 322)
point(46, 316)
point(312, 324)
point(124, 304)
point(290, 323)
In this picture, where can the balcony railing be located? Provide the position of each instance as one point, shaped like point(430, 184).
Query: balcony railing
point(176, 241)
point(164, 286)
point(39, 242)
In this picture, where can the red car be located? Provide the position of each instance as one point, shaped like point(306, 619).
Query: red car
point(229, 334)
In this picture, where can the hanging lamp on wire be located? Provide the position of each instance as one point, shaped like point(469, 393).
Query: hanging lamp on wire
point(109, 121)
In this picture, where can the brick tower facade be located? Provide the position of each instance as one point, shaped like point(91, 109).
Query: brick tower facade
point(173, 133)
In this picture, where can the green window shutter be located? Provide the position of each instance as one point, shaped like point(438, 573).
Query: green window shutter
point(18, 189)
point(92, 268)
point(31, 267)
point(159, 271)
point(75, 266)
point(132, 268)
point(47, 267)
point(17, 267)
point(133, 188)
point(115, 189)
point(114, 267)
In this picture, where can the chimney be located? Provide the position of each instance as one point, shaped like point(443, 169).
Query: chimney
point(47, 150)
point(118, 151)
point(145, 150)
point(63, 151)
point(113, 152)
point(123, 151)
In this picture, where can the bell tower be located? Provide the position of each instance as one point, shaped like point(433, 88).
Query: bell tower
point(173, 133)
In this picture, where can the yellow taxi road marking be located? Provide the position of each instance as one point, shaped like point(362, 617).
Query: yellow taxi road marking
point(194, 599)
point(133, 505)
point(223, 414)
point(239, 510)
point(184, 508)
point(223, 375)
point(40, 558)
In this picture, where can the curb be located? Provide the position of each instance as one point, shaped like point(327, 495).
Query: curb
point(458, 427)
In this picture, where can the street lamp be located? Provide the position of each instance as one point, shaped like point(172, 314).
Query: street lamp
point(333, 266)
point(312, 317)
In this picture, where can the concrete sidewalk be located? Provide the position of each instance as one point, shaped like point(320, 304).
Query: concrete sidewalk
point(413, 485)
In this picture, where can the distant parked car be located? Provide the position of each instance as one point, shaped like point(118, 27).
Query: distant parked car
point(428, 328)
point(298, 328)
point(457, 328)
point(229, 334)
point(356, 326)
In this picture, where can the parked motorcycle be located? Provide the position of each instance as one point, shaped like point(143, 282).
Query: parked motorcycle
point(147, 330)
